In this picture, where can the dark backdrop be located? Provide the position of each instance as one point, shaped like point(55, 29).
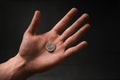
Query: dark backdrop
point(100, 60)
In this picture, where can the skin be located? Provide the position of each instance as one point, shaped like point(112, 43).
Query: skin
point(33, 57)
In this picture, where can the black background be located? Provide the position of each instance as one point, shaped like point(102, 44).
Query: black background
point(99, 60)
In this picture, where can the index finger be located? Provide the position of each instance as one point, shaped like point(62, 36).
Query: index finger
point(63, 22)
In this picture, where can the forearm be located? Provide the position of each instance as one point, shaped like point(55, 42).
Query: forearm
point(14, 69)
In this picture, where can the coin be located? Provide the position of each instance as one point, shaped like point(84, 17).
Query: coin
point(50, 47)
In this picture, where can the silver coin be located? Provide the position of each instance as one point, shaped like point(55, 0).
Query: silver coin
point(50, 47)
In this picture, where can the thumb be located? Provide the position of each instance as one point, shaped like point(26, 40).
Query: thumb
point(34, 23)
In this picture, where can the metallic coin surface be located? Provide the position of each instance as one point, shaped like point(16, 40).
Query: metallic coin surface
point(50, 47)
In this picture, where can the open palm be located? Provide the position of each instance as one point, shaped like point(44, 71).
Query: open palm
point(33, 47)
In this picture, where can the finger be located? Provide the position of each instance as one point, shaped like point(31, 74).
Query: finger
point(75, 37)
point(34, 23)
point(76, 48)
point(63, 22)
point(74, 27)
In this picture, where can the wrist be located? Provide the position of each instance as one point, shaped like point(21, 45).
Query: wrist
point(14, 69)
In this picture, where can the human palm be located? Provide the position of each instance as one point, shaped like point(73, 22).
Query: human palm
point(33, 47)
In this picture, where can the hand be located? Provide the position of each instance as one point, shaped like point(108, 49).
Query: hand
point(33, 50)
